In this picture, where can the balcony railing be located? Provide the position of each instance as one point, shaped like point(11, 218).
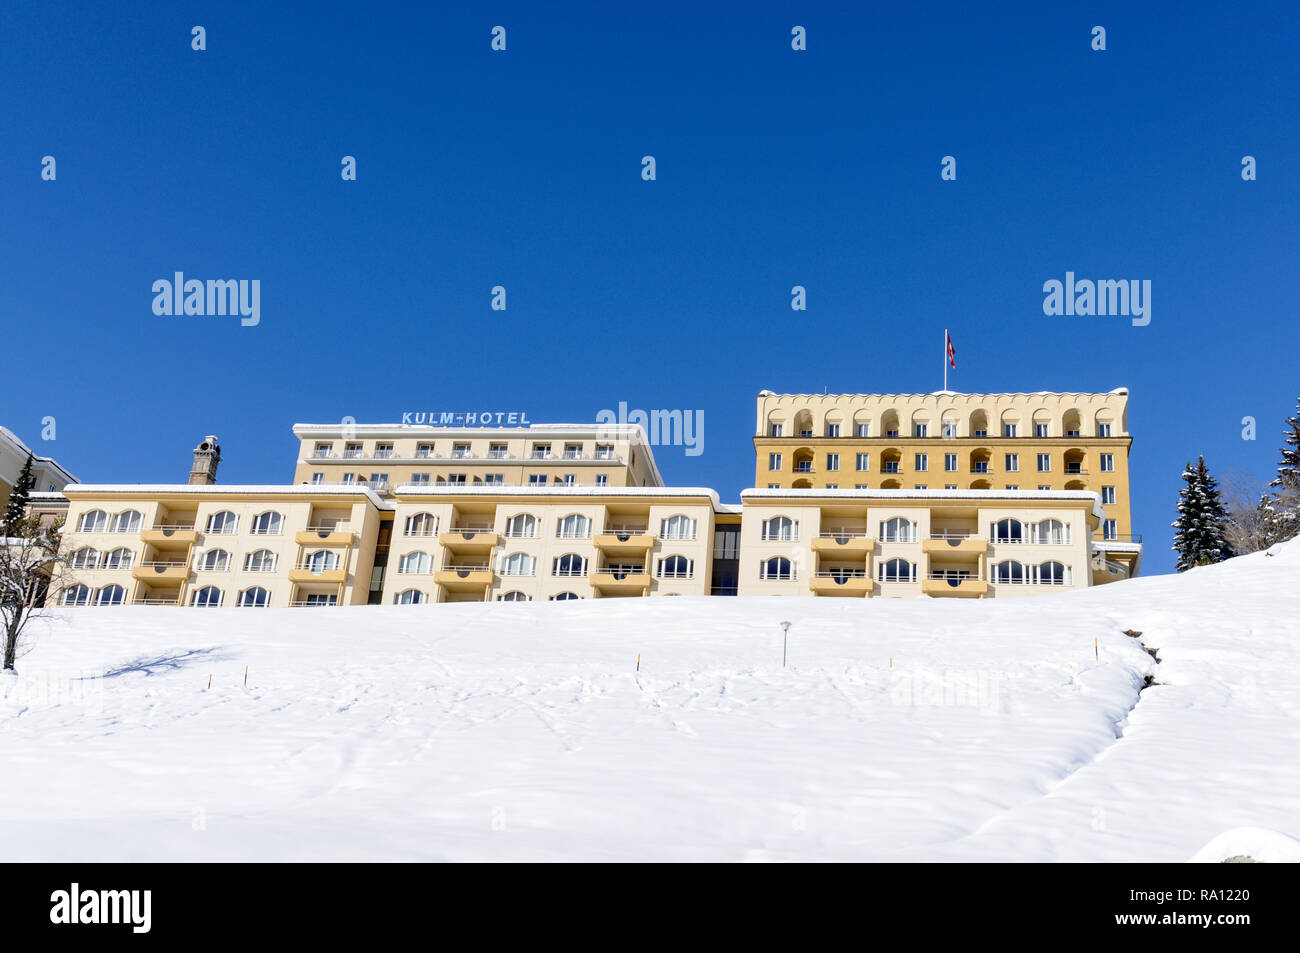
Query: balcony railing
point(165, 564)
point(981, 467)
point(314, 602)
point(957, 575)
point(841, 574)
point(141, 601)
point(322, 455)
point(171, 527)
point(1118, 538)
point(622, 571)
point(470, 530)
point(842, 536)
point(955, 534)
point(891, 468)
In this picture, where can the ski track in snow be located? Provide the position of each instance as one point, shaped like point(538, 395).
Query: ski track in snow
point(524, 732)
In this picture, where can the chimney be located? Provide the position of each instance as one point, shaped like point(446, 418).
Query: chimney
point(206, 457)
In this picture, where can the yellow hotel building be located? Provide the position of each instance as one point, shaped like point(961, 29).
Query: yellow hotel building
point(951, 495)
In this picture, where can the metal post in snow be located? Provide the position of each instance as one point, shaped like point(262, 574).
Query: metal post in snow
point(785, 641)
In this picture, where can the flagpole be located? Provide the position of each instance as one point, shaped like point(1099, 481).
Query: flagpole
point(945, 359)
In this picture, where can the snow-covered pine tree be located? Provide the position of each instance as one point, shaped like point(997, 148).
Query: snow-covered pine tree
point(17, 508)
point(1199, 529)
point(1288, 469)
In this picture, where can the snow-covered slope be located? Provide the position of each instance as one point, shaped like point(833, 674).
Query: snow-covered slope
point(524, 731)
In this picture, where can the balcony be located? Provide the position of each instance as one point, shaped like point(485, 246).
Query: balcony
point(157, 600)
point(177, 534)
point(980, 467)
point(628, 541)
point(468, 539)
point(324, 536)
point(891, 467)
point(843, 544)
point(956, 544)
point(162, 572)
point(621, 580)
point(310, 572)
point(954, 583)
point(465, 577)
point(840, 582)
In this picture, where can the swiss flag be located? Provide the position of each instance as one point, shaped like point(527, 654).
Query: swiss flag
point(952, 351)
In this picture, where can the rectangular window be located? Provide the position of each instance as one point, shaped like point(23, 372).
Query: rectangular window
point(922, 461)
point(832, 461)
point(861, 486)
point(1013, 462)
point(541, 451)
point(1044, 463)
point(1072, 433)
point(1103, 430)
point(569, 479)
point(774, 430)
point(1108, 530)
point(573, 451)
point(864, 430)
point(980, 433)
point(420, 478)
point(456, 478)
point(1040, 430)
point(891, 433)
point(318, 478)
point(774, 486)
point(537, 479)
point(920, 430)
point(832, 486)
point(1009, 430)
point(424, 450)
point(921, 486)
point(602, 479)
point(1043, 486)
point(805, 433)
point(950, 486)
point(383, 451)
point(604, 451)
point(1108, 494)
point(774, 461)
point(323, 451)
point(832, 430)
point(950, 462)
point(1108, 463)
point(495, 479)
point(379, 479)
point(864, 461)
point(459, 451)
point(1013, 486)
point(352, 451)
point(349, 479)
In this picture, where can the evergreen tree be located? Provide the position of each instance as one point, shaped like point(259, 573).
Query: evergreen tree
point(1199, 530)
point(17, 508)
point(1288, 470)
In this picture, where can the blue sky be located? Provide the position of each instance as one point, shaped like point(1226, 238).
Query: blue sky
point(522, 169)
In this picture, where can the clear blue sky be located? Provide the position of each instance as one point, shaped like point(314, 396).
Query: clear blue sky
point(775, 168)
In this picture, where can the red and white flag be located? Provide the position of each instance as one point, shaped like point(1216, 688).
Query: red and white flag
point(952, 351)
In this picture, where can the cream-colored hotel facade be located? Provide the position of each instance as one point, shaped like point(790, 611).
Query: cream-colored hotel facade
point(956, 495)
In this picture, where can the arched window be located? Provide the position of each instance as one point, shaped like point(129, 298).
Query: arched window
point(321, 561)
point(518, 564)
point(676, 567)
point(417, 563)
point(897, 570)
point(76, 596)
point(420, 524)
point(268, 524)
point(1009, 571)
point(128, 521)
point(778, 567)
point(780, 528)
point(1052, 573)
point(96, 521)
point(570, 564)
point(573, 526)
point(1007, 531)
point(110, 596)
point(565, 596)
point(207, 597)
point(215, 560)
point(224, 523)
point(677, 527)
point(409, 597)
point(1051, 531)
point(513, 596)
point(898, 530)
point(85, 558)
point(261, 560)
point(522, 526)
point(122, 558)
point(256, 597)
